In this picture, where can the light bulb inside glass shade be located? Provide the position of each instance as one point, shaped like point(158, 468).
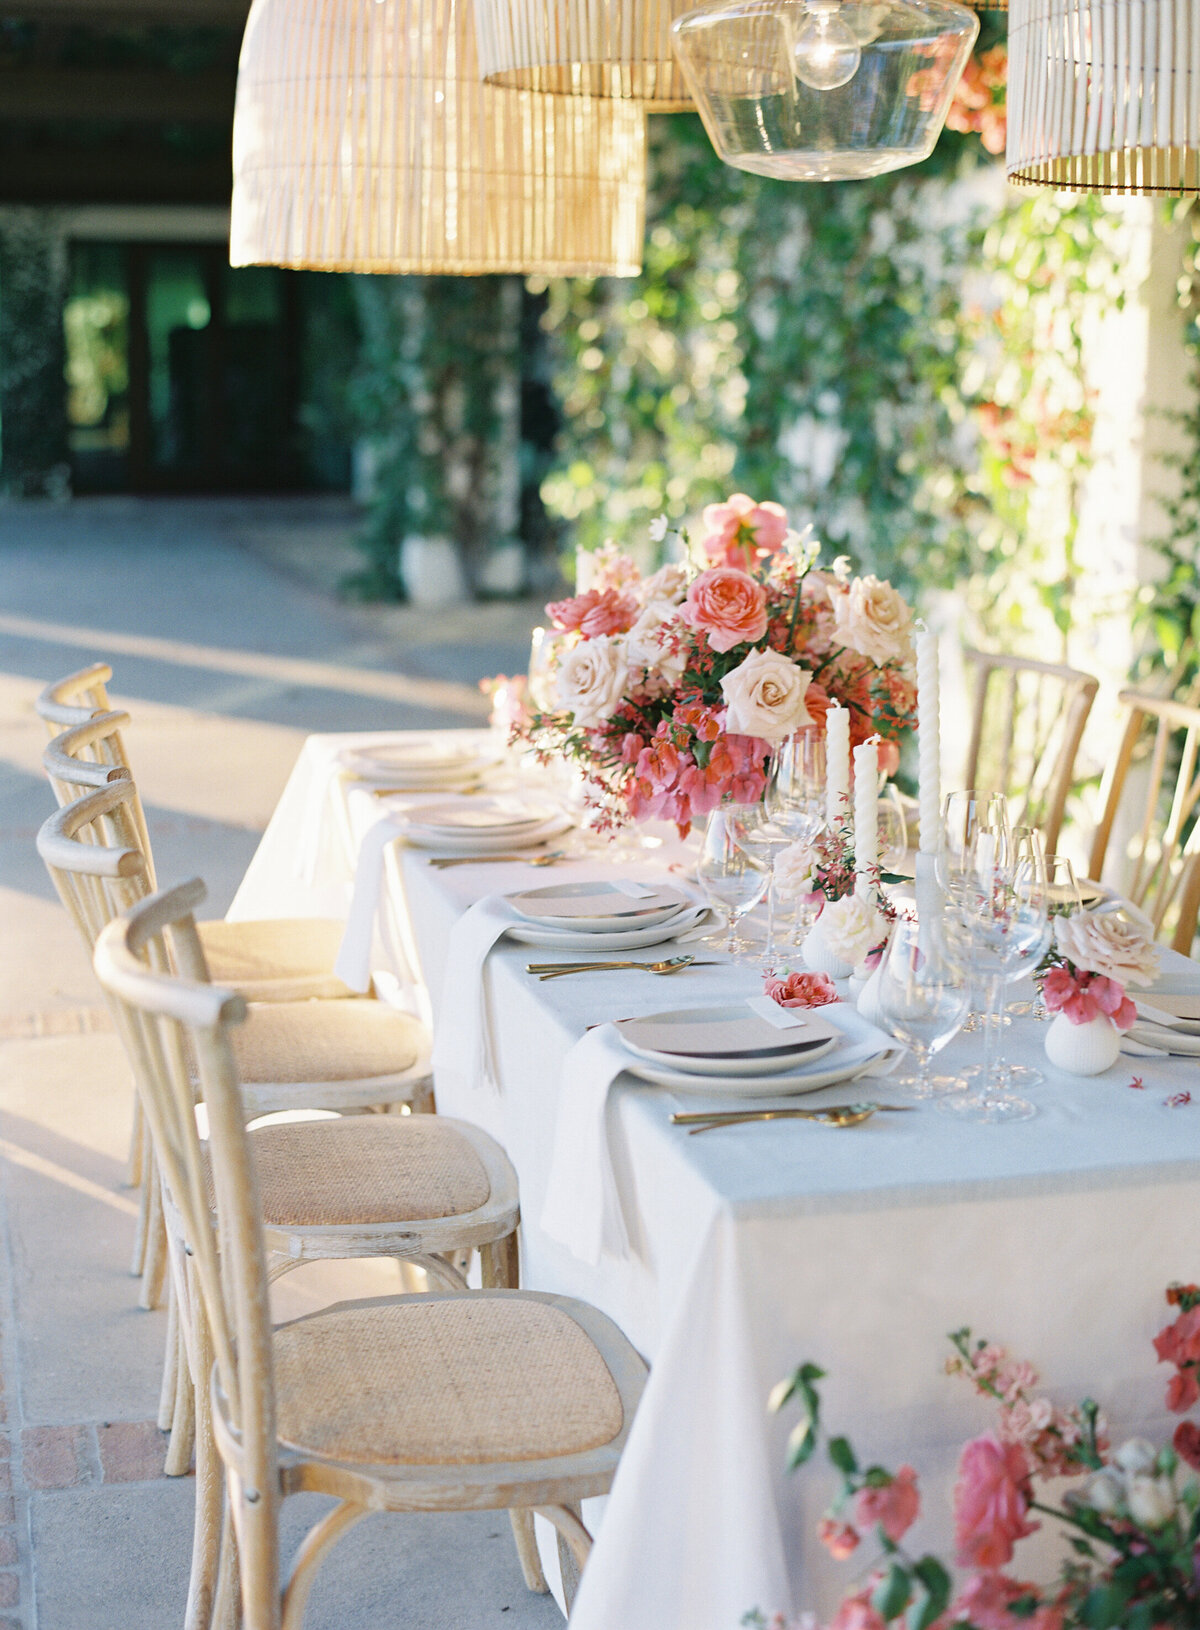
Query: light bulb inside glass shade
point(826, 52)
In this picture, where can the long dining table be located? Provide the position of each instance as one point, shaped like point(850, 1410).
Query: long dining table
point(756, 1247)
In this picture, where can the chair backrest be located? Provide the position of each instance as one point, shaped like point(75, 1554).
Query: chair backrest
point(1163, 855)
point(75, 698)
point(92, 754)
point(95, 861)
point(1026, 725)
point(165, 1018)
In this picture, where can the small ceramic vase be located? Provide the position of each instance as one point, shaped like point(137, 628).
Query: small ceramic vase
point(820, 959)
point(868, 996)
point(1083, 1049)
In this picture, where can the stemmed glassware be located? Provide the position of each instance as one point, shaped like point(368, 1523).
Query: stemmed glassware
point(967, 818)
point(997, 921)
point(923, 999)
point(893, 830)
point(733, 879)
point(795, 795)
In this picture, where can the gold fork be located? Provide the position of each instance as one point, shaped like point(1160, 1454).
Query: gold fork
point(674, 965)
point(442, 861)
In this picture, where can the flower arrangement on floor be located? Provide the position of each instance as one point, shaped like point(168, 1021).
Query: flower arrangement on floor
point(672, 689)
point(1132, 1522)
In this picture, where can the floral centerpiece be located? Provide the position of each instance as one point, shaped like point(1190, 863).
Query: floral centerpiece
point(1132, 1519)
point(1096, 955)
point(672, 689)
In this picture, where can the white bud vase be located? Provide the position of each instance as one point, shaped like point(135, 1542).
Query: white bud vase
point(868, 997)
point(1083, 1049)
point(820, 959)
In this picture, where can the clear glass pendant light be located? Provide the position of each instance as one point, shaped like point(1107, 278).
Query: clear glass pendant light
point(824, 90)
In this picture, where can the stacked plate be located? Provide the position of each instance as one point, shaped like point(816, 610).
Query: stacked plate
point(418, 764)
point(481, 825)
point(608, 915)
point(731, 1051)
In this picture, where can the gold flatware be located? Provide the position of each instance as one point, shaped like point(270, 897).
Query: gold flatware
point(690, 1117)
point(674, 965)
point(852, 1115)
point(442, 861)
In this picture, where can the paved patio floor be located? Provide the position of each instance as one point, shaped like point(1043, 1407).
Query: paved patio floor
point(227, 646)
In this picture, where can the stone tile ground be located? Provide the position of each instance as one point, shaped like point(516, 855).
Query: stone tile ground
point(227, 647)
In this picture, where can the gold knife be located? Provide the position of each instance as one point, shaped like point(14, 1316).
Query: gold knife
point(717, 1116)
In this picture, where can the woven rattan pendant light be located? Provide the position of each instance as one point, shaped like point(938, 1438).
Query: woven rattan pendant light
point(364, 140)
point(1104, 95)
point(613, 48)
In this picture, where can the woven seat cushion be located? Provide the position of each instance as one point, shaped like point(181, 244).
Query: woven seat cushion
point(295, 952)
point(429, 1382)
point(366, 1169)
point(349, 1040)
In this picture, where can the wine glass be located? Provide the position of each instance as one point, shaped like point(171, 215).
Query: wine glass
point(893, 830)
point(923, 999)
point(996, 919)
point(974, 827)
point(733, 880)
point(795, 795)
point(1065, 898)
point(759, 834)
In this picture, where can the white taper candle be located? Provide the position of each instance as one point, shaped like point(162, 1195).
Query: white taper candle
point(866, 816)
point(837, 763)
point(585, 570)
point(929, 739)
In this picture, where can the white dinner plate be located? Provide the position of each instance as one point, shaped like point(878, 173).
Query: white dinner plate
point(429, 763)
point(843, 1064)
point(748, 1045)
point(560, 939)
point(486, 843)
point(596, 908)
point(481, 815)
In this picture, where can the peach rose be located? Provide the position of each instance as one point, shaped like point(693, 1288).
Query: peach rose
point(764, 697)
point(591, 680)
point(873, 619)
point(648, 645)
point(598, 611)
point(991, 1503)
point(1108, 943)
point(728, 606)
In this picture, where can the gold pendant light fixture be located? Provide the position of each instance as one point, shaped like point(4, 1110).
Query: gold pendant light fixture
point(364, 140)
point(1104, 95)
point(612, 48)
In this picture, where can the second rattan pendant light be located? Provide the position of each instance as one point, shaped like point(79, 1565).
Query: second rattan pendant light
point(364, 140)
point(614, 48)
point(1104, 95)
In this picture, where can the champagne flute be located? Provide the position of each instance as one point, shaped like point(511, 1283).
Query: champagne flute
point(733, 880)
point(923, 999)
point(1065, 899)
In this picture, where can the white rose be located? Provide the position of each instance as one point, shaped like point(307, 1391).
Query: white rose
point(669, 585)
point(591, 679)
point(1108, 943)
point(765, 697)
point(1136, 1457)
point(1151, 1501)
point(852, 927)
point(794, 870)
point(645, 648)
point(1103, 1492)
point(873, 619)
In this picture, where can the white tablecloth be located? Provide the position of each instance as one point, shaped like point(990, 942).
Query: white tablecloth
point(757, 1247)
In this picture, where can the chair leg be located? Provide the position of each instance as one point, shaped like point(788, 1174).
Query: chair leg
point(145, 1208)
point(206, 1533)
point(422, 1101)
point(183, 1425)
point(154, 1271)
point(499, 1263)
point(171, 1363)
point(527, 1551)
point(227, 1604)
point(136, 1138)
point(574, 1544)
point(308, 1558)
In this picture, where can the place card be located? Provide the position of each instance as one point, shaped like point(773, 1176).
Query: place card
point(783, 1018)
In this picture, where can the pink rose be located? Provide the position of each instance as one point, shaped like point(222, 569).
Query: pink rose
point(856, 1613)
point(740, 531)
point(991, 1500)
point(838, 1538)
point(895, 1507)
point(1183, 1390)
point(728, 606)
point(599, 611)
point(985, 1601)
point(802, 990)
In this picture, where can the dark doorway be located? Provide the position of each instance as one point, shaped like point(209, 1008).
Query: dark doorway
point(182, 371)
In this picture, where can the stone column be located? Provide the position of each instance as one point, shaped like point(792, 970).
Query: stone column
point(33, 415)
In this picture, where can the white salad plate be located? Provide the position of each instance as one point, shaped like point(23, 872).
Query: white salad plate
point(561, 939)
point(726, 1040)
point(416, 764)
point(481, 816)
point(596, 908)
point(486, 843)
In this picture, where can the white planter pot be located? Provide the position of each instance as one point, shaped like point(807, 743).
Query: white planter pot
point(1083, 1049)
point(820, 959)
point(432, 573)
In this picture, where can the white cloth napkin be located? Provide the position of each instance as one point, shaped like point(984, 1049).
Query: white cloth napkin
point(353, 965)
point(582, 1209)
point(464, 1049)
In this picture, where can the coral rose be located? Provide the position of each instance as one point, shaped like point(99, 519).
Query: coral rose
point(599, 611)
point(991, 1503)
point(802, 990)
point(764, 697)
point(591, 680)
point(727, 605)
point(1108, 943)
point(739, 530)
point(874, 620)
point(895, 1506)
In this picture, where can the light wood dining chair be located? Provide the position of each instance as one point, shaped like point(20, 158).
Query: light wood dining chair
point(488, 1400)
point(274, 960)
point(1160, 867)
point(75, 698)
point(1027, 720)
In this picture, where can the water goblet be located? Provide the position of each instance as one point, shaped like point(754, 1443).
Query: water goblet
point(759, 834)
point(893, 830)
point(733, 880)
point(795, 795)
point(923, 999)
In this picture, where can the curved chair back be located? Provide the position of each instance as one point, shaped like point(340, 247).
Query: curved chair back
point(166, 1017)
point(1027, 722)
point(1162, 859)
point(95, 861)
point(75, 698)
point(92, 754)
